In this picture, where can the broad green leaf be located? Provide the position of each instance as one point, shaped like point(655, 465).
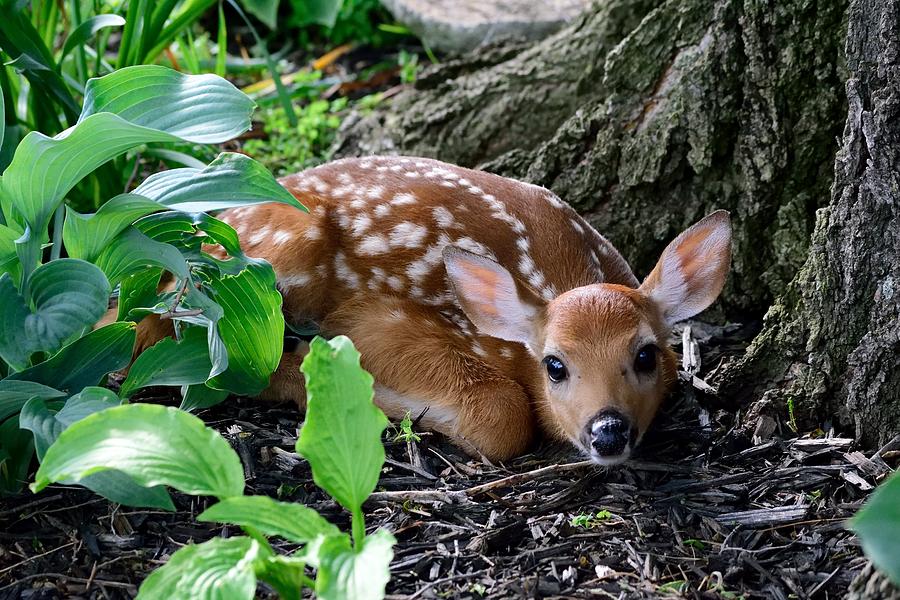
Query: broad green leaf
point(167, 227)
point(138, 290)
point(87, 29)
point(321, 12)
point(878, 526)
point(44, 169)
point(229, 181)
point(14, 394)
point(341, 437)
point(171, 362)
point(86, 361)
point(264, 10)
point(46, 424)
point(200, 396)
point(346, 573)
point(292, 521)
point(119, 487)
point(285, 574)
point(252, 328)
point(131, 106)
point(16, 452)
point(132, 252)
point(203, 109)
point(65, 297)
point(8, 257)
point(86, 235)
point(220, 569)
point(154, 445)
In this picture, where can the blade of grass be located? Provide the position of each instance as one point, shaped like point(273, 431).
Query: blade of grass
point(222, 43)
point(284, 96)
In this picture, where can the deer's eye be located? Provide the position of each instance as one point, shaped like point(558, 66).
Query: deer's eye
point(556, 370)
point(645, 360)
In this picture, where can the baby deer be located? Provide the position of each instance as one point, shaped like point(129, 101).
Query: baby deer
point(484, 304)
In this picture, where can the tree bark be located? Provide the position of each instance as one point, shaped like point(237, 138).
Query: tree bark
point(648, 115)
point(832, 342)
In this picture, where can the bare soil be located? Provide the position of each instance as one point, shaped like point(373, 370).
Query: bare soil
point(705, 510)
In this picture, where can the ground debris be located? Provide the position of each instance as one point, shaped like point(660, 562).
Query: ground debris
point(701, 511)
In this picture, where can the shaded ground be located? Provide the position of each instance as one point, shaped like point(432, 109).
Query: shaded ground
point(703, 510)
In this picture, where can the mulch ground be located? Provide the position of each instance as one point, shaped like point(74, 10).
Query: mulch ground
point(706, 509)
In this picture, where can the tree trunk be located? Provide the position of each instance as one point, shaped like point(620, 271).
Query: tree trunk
point(646, 116)
point(832, 342)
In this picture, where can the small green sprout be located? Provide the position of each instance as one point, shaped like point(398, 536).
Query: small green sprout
point(406, 434)
point(589, 521)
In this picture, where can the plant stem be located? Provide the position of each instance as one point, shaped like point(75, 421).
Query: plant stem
point(359, 529)
point(58, 217)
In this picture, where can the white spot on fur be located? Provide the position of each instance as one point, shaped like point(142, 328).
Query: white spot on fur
point(412, 174)
point(554, 201)
point(448, 184)
point(407, 235)
point(523, 244)
point(506, 353)
point(443, 217)
point(403, 199)
point(360, 224)
point(282, 237)
point(372, 245)
point(382, 210)
point(375, 192)
point(344, 273)
point(395, 283)
point(467, 243)
point(259, 236)
point(578, 227)
point(479, 349)
point(312, 233)
point(294, 280)
point(358, 204)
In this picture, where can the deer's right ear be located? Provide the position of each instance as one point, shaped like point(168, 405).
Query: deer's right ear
point(493, 300)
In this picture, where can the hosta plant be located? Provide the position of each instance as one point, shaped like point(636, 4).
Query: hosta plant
point(878, 526)
point(58, 267)
point(155, 446)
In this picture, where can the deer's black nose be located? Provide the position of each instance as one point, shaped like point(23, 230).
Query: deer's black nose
point(610, 433)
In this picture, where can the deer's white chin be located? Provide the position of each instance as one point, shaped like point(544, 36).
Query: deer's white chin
point(610, 461)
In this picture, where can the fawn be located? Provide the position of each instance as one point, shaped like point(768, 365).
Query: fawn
point(485, 305)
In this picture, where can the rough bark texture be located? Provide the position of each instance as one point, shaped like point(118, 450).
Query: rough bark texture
point(646, 116)
point(833, 341)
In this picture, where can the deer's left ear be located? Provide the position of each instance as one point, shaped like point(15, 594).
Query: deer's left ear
point(691, 272)
point(494, 301)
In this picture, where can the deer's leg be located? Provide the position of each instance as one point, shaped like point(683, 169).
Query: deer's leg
point(420, 362)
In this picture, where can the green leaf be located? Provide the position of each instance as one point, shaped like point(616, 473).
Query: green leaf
point(220, 569)
point(86, 235)
point(230, 180)
point(345, 573)
point(14, 394)
point(132, 252)
point(252, 328)
point(86, 361)
point(201, 396)
point(292, 521)
point(341, 437)
point(878, 526)
point(87, 29)
point(154, 445)
point(203, 109)
point(264, 10)
point(284, 573)
point(138, 290)
point(65, 296)
point(47, 424)
point(16, 451)
point(321, 12)
point(119, 487)
point(8, 237)
point(171, 362)
point(131, 106)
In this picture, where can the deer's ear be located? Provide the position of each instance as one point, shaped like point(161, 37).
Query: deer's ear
point(692, 269)
point(494, 301)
